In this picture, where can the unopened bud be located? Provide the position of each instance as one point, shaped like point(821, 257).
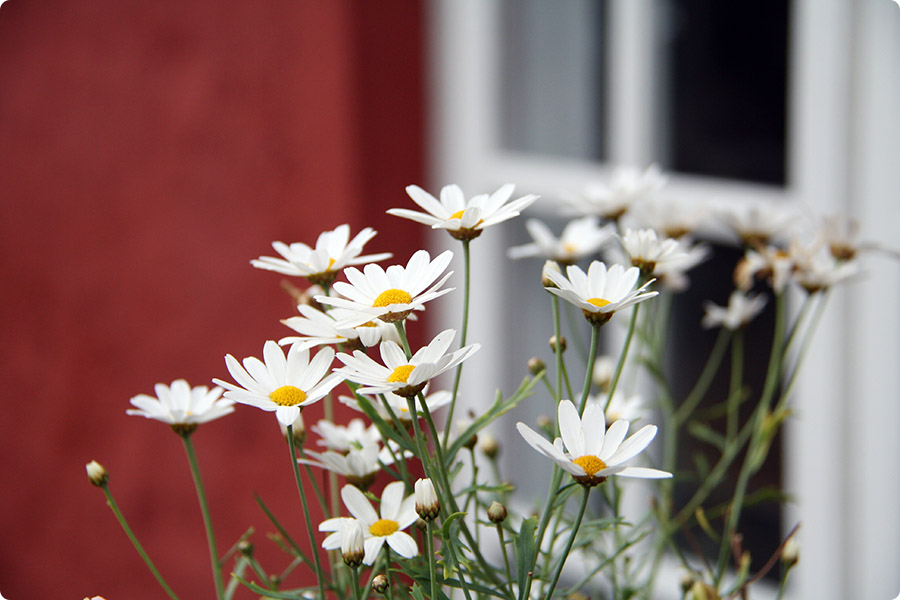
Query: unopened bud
point(245, 547)
point(380, 583)
point(550, 265)
point(701, 591)
point(562, 343)
point(427, 505)
point(96, 473)
point(536, 366)
point(687, 582)
point(496, 513)
point(790, 555)
point(544, 423)
point(298, 429)
point(352, 548)
point(462, 425)
point(489, 445)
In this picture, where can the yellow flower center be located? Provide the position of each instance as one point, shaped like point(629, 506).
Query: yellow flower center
point(590, 464)
point(287, 395)
point(400, 374)
point(383, 527)
point(392, 296)
point(598, 302)
point(457, 215)
point(569, 248)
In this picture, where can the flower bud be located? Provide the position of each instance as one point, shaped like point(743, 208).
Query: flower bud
point(380, 583)
point(496, 513)
point(352, 548)
point(461, 427)
point(790, 554)
point(701, 591)
point(245, 547)
point(687, 582)
point(604, 369)
point(96, 473)
point(489, 445)
point(298, 429)
point(562, 343)
point(544, 423)
point(550, 265)
point(427, 505)
point(536, 366)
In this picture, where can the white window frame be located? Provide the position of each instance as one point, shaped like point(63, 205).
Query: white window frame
point(844, 147)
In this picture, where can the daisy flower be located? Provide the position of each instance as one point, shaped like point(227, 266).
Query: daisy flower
point(621, 407)
point(396, 514)
point(673, 218)
point(182, 406)
point(462, 219)
point(392, 294)
point(769, 263)
point(283, 385)
point(591, 452)
point(647, 251)
point(600, 292)
point(742, 308)
point(627, 186)
point(756, 225)
point(822, 271)
point(318, 328)
point(359, 465)
point(399, 406)
point(334, 250)
point(403, 376)
point(580, 238)
point(341, 438)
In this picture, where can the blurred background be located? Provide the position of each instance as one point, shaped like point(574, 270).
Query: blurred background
point(149, 151)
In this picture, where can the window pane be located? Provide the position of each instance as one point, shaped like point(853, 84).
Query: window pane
point(551, 96)
point(724, 88)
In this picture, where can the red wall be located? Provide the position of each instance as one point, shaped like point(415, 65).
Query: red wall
point(148, 151)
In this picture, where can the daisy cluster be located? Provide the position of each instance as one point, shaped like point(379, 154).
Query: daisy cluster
point(626, 245)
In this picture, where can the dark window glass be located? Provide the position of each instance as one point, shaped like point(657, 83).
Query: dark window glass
point(726, 71)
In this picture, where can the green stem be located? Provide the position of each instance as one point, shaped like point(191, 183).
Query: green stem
point(737, 382)
point(706, 378)
point(557, 332)
point(309, 528)
point(462, 339)
point(207, 520)
point(588, 376)
point(565, 554)
point(505, 553)
point(429, 548)
point(625, 345)
point(134, 542)
point(355, 583)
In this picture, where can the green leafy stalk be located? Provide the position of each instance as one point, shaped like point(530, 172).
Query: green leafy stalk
point(625, 346)
point(589, 374)
point(134, 542)
point(207, 519)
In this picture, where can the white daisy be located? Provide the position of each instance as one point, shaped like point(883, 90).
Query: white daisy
point(580, 238)
point(182, 406)
point(396, 514)
point(600, 292)
point(392, 294)
point(319, 328)
point(592, 453)
point(402, 376)
point(673, 218)
point(341, 438)
point(321, 264)
point(627, 186)
point(647, 251)
point(359, 465)
point(774, 265)
point(399, 405)
point(621, 407)
point(283, 385)
point(741, 309)
point(464, 220)
point(756, 225)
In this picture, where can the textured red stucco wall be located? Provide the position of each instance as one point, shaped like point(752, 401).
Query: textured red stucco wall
point(148, 151)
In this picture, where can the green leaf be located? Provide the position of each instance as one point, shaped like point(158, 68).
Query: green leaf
point(288, 595)
point(448, 522)
point(705, 433)
point(526, 550)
